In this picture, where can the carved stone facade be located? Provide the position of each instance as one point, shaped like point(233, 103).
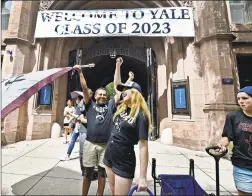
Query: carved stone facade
point(205, 60)
point(44, 5)
point(187, 3)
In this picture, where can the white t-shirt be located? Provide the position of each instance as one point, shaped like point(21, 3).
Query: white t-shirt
point(68, 118)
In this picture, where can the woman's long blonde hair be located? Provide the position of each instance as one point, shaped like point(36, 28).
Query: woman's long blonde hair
point(137, 104)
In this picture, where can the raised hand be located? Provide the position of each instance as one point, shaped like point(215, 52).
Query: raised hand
point(131, 75)
point(77, 68)
point(119, 61)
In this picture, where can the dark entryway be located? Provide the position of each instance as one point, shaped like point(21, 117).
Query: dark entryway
point(244, 70)
point(103, 73)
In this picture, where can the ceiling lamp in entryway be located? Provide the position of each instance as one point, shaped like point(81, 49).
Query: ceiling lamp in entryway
point(113, 53)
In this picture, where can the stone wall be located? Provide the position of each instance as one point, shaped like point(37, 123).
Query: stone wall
point(216, 57)
point(19, 40)
point(188, 130)
point(206, 60)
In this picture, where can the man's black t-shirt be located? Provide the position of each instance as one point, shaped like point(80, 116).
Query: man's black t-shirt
point(238, 128)
point(127, 131)
point(99, 118)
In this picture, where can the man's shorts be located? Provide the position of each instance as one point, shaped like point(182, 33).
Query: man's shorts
point(93, 154)
point(243, 179)
point(121, 159)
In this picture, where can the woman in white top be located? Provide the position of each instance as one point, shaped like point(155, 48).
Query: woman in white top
point(68, 112)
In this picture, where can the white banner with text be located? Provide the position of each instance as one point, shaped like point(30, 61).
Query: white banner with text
point(148, 22)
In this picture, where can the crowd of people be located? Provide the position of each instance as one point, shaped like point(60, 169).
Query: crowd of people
point(109, 129)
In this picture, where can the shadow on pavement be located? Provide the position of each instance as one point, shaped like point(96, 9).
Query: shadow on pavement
point(58, 181)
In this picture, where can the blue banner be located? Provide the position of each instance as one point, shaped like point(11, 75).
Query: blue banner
point(45, 95)
point(180, 98)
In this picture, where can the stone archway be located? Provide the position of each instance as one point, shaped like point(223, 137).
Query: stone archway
point(64, 45)
point(119, 45)
point(60, 57)
point(135, 60)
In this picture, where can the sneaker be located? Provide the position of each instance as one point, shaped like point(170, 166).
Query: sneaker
point(65, 158)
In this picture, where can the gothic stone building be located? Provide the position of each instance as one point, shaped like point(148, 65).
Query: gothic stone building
point(210, 67)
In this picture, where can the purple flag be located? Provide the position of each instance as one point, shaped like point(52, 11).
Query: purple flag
point(18, 89)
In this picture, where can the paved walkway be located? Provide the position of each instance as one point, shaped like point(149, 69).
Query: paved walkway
point(34, 168)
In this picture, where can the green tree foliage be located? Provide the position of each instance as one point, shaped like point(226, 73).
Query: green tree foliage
point(110, 90)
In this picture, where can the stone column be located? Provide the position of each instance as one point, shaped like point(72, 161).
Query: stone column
point(19, 40)
point(217, 62)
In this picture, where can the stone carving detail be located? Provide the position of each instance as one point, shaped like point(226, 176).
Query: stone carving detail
point(187, 3)
point(44, 5)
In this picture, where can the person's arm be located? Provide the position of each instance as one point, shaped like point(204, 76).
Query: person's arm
point(227, 134)
point(82, 119)
point(144, 156)
point(223, 144)
point(74, 115)
point(224, 141)
point(65, 112)
point(83, 84)
point(117, 78)
point(142, 126)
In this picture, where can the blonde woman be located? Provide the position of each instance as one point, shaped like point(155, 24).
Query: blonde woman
point(131, 124)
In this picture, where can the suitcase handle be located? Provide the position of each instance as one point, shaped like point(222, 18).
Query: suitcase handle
point(216, 156)
point(133, 189)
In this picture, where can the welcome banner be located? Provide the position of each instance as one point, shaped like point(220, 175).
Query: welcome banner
point(149, 22)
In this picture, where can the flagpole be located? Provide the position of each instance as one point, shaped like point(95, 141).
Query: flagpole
point(88, 65)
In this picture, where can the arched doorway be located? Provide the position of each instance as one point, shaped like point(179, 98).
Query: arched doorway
point(158, 44)
point(135, 60)
point(141, 61)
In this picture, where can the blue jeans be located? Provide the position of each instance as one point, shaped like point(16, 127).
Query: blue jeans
point(243, 179)
point(72, 143)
